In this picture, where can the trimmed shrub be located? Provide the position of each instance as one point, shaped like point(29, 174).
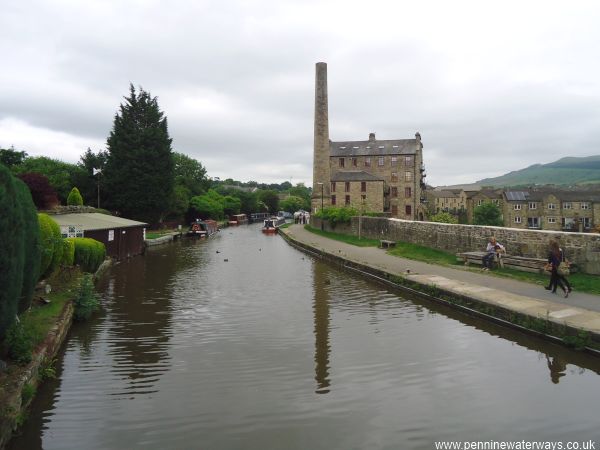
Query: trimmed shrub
point(31, 245)
point(11, 250)
point(68, 252)
point(86, 301)
point(74, 198)
point(337, 214)
point(50, 243)
point(89, 253)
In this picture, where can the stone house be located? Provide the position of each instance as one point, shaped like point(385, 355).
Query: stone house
point(474, 199)
point(551, 209)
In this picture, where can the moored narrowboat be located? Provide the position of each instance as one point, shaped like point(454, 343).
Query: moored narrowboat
point(238, 219)
point(272, 224)
point(203, 228)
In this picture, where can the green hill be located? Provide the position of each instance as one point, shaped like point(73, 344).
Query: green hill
point(566, 171)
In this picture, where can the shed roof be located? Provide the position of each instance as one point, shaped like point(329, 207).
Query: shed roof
point(354, 175)
point(95, 221)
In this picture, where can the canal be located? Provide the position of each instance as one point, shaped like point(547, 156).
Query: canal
point(243, 342)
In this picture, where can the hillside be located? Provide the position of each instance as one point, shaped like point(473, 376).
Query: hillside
point(565, 171)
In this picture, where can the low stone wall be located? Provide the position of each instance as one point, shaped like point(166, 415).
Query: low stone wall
point(581, 248)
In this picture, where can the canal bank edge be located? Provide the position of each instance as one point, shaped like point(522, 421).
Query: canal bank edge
point(571, 326)
point(15, 403)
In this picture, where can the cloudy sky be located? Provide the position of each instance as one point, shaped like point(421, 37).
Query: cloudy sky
point(491, 86)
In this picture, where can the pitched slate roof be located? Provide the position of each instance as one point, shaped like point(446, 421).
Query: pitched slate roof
point(354, 175)
point(373, 147)
point(95, 221)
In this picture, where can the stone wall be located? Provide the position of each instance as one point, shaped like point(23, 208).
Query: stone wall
point(581, 248)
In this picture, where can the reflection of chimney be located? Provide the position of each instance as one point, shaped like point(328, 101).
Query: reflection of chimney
point(321, 172)
point(371, 137)
point(322, 328)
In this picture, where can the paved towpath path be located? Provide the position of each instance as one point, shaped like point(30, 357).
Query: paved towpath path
point(579, 309)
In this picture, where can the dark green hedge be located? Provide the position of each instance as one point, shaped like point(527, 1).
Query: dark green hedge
point(11, 250)
point(89, 253)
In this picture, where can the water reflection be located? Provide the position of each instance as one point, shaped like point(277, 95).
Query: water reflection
point(321, 324)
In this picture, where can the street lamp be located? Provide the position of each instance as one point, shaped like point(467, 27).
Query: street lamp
point(321, 184)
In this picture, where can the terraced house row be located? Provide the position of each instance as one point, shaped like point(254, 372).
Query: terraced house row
point(547, 208)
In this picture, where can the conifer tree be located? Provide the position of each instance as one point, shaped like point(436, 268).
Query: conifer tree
point(139, 173)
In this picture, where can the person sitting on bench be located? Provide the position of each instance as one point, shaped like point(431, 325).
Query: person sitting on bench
point(493, 248)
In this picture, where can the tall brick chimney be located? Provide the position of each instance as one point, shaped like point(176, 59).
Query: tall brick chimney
point(321, 172)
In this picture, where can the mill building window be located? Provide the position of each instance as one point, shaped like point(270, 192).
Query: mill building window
point(407, 176)
point(407, 192)
point(394, 161)
point(347, 186)
point(354, 162)
point(394, 178)
point(381, 161)
point(408, 161)
point(394, 210)
point(394, 191)
point(408, 210)
point(333, 199)
point(368, 162)
point(333, 186)
point(342, 162)
point(363, 186)
point(347, 202)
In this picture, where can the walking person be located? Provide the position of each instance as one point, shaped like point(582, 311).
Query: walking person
point(558, 270)
point(493, 248)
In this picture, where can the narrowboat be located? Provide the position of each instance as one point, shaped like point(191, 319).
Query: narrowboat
point(203, 228)
point(238, 219)
point(272, 224)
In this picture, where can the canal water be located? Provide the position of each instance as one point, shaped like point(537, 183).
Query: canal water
point(243, 342)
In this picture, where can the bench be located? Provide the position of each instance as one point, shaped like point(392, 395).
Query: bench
point(535, 265)
point(384, 243)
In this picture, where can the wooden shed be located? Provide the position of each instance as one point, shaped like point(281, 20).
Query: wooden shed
point(123, 238)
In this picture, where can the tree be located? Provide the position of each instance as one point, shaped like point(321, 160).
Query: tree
point(292, 204)
point(270, 198)
point(487, 214)
point(61, 175)
point(231, 205)
point(43, 195)
point(191, 174)
point(303, 192)
point(10, 157)
point(443, 217)
point(207, 206)
point(139, 173)
point(87, 178)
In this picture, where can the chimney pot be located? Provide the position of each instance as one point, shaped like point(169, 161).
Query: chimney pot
point(371, 137)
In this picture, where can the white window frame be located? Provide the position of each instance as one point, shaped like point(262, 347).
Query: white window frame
point(381, 161)
point(551, 220)
point(517, 219)
point(585, 205)
point(567, 205)
point(532, 205)
point(407, 176)
point(551, 206)
point(517, 207)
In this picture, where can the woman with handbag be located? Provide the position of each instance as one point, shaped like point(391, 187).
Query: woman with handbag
point(559, 269)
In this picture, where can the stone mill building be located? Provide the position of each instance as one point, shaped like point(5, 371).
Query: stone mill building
point(383, 176)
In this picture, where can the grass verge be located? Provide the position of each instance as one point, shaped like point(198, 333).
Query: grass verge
point(348, 239)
